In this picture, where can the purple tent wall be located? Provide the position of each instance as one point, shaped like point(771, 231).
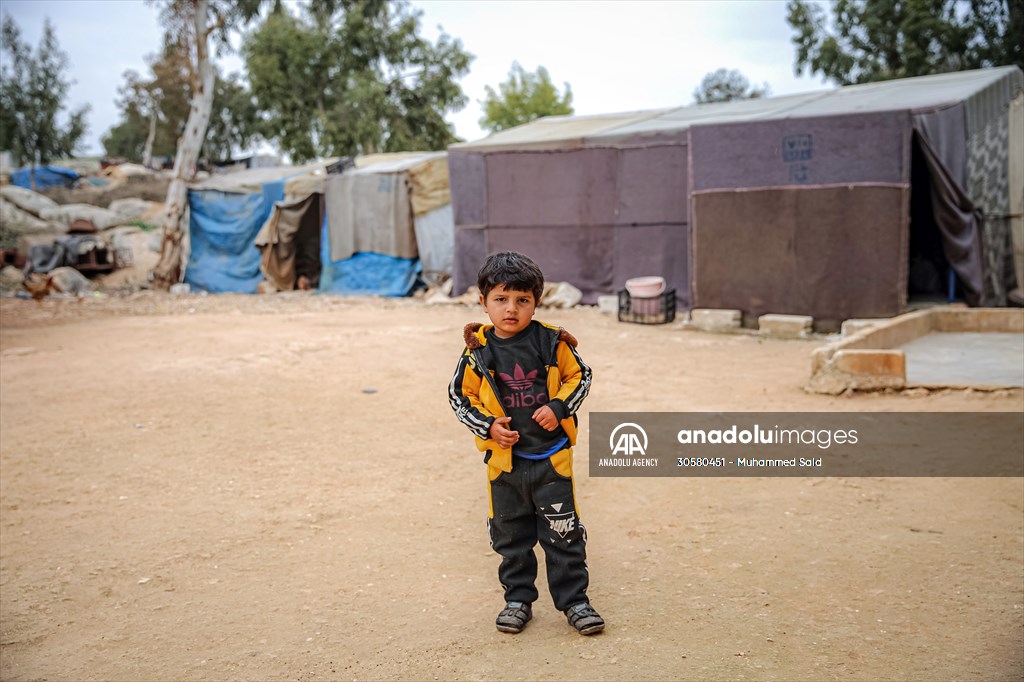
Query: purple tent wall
point(551, 188)
point(802, 216)
point(766, 254)
point(592, 217)
point(467, 178)
point(580, 255)
point(794, 152)
point(469, 197)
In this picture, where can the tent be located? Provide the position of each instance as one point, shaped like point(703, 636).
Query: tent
point(226, 212)
point(376, 228)
point(388, 224)
point(814, 204)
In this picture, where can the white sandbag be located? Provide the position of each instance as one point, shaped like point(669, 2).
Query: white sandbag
point(561, 295)
point(10, 278)
point(69, 281)
point(131, 209)
point(27, 200)
point(102, 218)
point(13, 218)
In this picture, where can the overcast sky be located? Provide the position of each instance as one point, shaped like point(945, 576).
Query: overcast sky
point(617, 56)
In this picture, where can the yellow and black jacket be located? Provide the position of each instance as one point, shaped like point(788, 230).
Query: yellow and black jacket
point(474, 396)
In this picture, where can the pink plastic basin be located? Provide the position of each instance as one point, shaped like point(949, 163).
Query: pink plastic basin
point(645, 287)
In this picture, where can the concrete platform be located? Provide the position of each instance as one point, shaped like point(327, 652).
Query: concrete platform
point(976, 347)
point(965, 359)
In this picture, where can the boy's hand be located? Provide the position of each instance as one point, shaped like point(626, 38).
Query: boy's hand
point(504, 436)
point(545, 416)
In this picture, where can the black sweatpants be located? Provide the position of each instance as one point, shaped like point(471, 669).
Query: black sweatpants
point(530, 503)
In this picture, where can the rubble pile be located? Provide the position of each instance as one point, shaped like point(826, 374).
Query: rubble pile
point(101, 235)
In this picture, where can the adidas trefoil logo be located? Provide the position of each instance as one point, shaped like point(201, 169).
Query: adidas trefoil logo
point(520, 381)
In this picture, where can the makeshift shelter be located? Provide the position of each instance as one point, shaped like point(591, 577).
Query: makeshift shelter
point(388, 224)
point(818, 204)
point(375, 228)
point(289, 240)
point(226, 213)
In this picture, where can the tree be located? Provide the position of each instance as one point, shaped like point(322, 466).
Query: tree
point(524, 97)
point(353, 77)
point(154, 110)
point(193, 24)
point(882, 39)
point(33, 90)
point(235, 122)
point(725, 85)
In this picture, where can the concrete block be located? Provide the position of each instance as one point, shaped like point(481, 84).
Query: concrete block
point(851, 327)
point(1006, 320)
point(857, 369)
point(716, 319)
point(785, 326)
point(608, 304)
point(875, 363)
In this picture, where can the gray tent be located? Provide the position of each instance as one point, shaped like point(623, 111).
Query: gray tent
point(816, 204)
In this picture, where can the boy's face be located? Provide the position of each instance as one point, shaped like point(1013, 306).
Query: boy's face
point(510, 311)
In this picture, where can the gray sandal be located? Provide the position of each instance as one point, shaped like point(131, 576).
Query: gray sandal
point(584, 618)
point(514, 617)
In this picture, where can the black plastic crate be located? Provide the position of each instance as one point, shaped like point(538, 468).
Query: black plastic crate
point(659, 309)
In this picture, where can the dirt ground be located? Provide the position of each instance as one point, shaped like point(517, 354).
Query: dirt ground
point(203, 488)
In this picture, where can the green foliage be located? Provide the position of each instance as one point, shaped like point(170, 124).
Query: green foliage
point(166, 95)
point(524, 97)
point(32, 93)
point(352, 77)
point(725, 85)
point(142, 225)
point(875, 40)
point(163, 96)
point(234, 120)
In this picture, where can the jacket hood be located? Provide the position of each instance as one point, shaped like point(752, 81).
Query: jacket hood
point(473, 333)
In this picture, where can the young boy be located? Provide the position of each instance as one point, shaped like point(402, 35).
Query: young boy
point(517, 387)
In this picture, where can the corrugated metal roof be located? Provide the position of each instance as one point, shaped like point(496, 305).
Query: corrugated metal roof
point(394, 163)
point(554, 131)
point(923, 93)
point(252, 179)
point(722, 112)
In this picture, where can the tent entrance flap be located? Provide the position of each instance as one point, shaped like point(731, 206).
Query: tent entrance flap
point(940, 207)
point(289, 243)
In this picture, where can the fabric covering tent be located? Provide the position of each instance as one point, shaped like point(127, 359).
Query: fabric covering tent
point(388, 223)
point(289, 241)
point(798, 204)
point(374, 229)
point(226, 213)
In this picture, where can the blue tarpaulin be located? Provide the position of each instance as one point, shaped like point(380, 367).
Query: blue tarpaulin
point(222, 230)
point(365, 273)
point(46, 177)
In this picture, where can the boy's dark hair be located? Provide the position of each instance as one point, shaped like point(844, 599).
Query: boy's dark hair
point(513, 271)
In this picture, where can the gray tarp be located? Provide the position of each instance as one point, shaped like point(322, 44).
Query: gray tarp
point(370, 212)
point(435, 242)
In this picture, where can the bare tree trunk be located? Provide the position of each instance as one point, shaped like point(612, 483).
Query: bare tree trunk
point(147, 153)
point(168, 269)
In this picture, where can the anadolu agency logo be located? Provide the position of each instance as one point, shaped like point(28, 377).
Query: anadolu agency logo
point(628, 439)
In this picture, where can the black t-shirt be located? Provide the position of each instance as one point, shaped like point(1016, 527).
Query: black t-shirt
point(519, 372)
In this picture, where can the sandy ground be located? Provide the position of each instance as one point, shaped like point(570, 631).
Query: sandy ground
point(199, 488)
